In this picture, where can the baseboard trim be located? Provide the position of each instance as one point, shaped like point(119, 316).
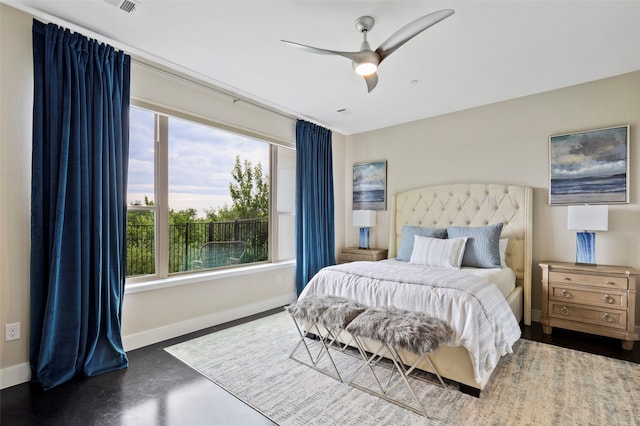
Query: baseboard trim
point(149, 337)
point(15, 375)
point(535, 315)
point(21, 373)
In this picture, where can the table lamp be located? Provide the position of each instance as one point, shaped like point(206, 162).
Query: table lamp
point(364, 219)
point(587, 218)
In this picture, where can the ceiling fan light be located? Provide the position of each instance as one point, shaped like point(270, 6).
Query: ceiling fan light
point(366, 68)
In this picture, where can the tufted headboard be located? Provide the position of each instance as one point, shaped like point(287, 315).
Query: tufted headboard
point(472, 204)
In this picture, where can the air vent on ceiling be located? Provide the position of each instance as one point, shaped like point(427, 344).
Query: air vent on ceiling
point(128, 6)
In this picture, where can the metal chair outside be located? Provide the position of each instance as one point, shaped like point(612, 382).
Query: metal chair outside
point(214, 254)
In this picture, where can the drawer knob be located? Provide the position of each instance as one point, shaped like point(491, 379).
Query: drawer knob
point(607, 317)
point(609, 282)
point(566, 278)
point(564, 311)
point(565, 293)
point(608, 299)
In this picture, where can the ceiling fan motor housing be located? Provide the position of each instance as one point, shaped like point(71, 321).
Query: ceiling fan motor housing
point(365, 23)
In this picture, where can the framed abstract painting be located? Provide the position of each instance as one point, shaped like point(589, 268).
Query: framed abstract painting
point(589, 167)
point(370, 186)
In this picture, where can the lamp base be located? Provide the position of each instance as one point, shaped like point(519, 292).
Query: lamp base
point(364, 238)
point(586, 248)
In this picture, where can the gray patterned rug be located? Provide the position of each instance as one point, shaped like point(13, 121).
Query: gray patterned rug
point(538, 384)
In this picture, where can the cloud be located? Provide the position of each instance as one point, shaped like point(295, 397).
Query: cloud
point(201, 159)
point(589, 169)
point(589, 154)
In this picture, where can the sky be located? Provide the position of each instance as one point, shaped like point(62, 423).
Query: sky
point(369, 176)
point(594, 153)
point(201, 160)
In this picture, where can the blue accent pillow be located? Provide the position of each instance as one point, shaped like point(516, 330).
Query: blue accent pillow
point(408, 233)
point(483, 244)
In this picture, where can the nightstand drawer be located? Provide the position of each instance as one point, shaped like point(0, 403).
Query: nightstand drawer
point(588, 279)
point(584, 295)
point(354, 257)
point(606, 318)
point(354, 254)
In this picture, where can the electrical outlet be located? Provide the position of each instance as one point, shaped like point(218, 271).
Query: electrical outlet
point(11, 331)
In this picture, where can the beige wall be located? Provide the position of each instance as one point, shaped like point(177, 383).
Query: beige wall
point(16, 101)
point(507, 142)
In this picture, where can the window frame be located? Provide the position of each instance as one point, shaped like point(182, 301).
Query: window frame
point(161, 195)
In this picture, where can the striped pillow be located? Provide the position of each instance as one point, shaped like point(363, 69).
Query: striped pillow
point(408, 232)
point(437, 252)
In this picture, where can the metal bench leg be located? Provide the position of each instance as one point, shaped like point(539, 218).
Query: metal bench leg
point(368, 361)
point(404, 373)
point(315, 360)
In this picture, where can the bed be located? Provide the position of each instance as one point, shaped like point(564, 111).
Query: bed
point(451, 294)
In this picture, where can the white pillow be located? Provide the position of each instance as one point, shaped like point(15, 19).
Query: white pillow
point(502, 247)
point(438, 252)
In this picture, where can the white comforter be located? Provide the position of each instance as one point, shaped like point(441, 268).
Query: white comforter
point(476, 310)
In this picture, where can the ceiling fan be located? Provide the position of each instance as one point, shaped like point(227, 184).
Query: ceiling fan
point(366, 61)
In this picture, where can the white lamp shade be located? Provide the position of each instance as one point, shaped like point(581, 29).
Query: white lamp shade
point(364, 218)
point(588, 218)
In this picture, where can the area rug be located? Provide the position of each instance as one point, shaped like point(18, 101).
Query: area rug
point(538, 384)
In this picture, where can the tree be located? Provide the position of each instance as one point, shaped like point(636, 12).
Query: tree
point(182, 216)
point(140, 239)
point(249, 194)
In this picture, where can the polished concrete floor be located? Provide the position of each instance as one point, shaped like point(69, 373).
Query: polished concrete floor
point(157, 389)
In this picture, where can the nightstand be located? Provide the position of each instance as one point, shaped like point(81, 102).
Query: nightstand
point(352, 254)
point(597, 299)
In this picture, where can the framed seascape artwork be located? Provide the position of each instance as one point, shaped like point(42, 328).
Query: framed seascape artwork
point(370, 186)
point(590, 167)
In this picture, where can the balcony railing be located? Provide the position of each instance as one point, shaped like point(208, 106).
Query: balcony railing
point(186, 239)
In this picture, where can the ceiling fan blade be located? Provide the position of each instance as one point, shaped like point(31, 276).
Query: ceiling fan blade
point(372, 81)
point(354, 56)
point(409, 31)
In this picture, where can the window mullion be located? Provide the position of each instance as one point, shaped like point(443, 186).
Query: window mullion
point(162, 197)
point(273, 210)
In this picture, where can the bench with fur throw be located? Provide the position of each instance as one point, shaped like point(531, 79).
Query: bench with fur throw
point(415, 332)
point(330, 311)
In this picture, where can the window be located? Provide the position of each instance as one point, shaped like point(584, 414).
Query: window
point(200, 197)
point(142, 213)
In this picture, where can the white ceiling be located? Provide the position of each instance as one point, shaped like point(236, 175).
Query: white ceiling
point(488, 51)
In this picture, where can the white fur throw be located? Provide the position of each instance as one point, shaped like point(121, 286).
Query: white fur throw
point(330, 311)
point(413, 331)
